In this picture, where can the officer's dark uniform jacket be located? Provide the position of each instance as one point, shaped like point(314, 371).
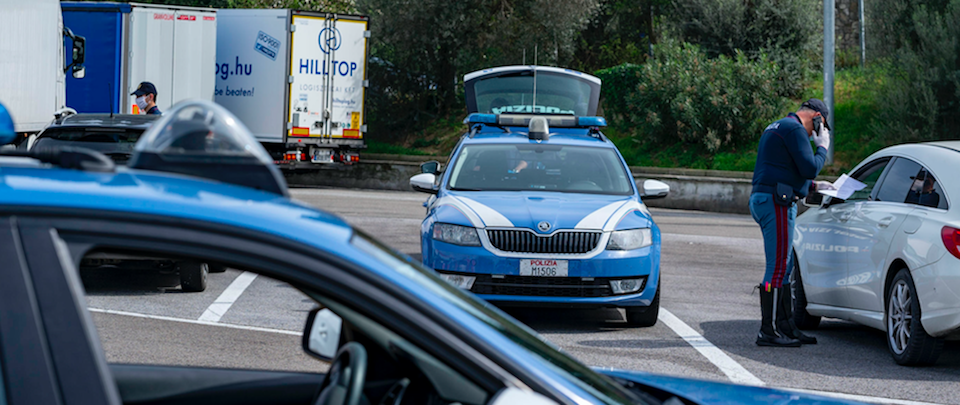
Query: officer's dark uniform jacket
point(784, 156)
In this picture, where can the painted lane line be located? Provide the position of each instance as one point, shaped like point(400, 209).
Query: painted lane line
point(215, 311)
point(734, 371)
point(193, 322)
point(860, 398)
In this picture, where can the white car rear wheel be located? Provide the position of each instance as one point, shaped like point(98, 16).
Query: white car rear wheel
point(909, 344)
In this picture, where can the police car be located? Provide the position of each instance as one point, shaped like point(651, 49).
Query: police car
point(537, 206)
point(200, 187)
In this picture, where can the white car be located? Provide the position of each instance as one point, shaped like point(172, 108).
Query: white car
point(887, 257)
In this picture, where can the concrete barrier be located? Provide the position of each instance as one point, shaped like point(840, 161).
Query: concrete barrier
point(692, 189)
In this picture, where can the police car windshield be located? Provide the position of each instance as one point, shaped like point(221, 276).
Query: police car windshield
point(537, 167)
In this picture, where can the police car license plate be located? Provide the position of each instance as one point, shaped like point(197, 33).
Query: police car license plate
point(543, 268)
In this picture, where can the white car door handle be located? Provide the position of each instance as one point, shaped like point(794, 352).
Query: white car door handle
point(883, 223)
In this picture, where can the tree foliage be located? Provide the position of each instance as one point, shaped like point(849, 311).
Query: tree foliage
point(787, 31)
point(923, 69)
point(423, 48)
point(684, 96)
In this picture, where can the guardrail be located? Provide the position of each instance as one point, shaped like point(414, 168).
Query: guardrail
point(692, 189)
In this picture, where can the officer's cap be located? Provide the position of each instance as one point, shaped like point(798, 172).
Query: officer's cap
point(145, 88)
point(819, 106)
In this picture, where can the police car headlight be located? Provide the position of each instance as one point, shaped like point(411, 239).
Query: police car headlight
point(630, 239)
point(459, 280)
point(456, 234)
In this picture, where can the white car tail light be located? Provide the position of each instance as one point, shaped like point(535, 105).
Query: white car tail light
point(951, 240)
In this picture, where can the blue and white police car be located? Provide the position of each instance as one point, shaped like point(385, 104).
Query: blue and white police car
point(537, 206)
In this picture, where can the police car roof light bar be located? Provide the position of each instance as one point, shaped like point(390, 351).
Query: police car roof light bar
point(523, 120)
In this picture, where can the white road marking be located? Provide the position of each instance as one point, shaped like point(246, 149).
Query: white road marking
point(734, 371)
point(860, 398)
point(215, 311)
point(191, 321)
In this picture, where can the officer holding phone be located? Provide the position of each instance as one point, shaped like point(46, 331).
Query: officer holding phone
point(786, 166)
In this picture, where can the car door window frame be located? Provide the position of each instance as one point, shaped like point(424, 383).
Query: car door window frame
point(72, 343)
point(22, 336)
point(886, 160)
point(287, 261)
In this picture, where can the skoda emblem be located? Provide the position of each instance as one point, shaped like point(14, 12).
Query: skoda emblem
point(543, 226)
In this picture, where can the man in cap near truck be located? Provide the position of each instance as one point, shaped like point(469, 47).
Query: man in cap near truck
point(147, 98)
point(783, 174)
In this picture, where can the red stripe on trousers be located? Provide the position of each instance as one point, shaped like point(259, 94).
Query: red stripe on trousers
point(782, 233)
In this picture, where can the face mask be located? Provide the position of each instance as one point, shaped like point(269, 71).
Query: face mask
point(142, 102)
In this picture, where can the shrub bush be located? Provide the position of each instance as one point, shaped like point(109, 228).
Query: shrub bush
point(787, 31)
point(682, 95)
point(923, 85)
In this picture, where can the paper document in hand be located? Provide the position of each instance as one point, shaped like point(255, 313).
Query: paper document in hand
point(844, 187)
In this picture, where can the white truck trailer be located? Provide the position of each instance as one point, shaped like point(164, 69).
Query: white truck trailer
point(33, 63)
point(172, 47)
point(297, 79)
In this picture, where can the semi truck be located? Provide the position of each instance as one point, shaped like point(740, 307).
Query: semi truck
point(297, 79)
point(173, 47)
point(36, 53)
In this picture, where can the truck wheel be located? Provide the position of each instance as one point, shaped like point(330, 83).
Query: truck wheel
point(193, 276)
point(645, 316)
point(216, 268)
point(801, 317)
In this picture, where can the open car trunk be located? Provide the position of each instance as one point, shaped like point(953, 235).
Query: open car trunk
point(531, 90)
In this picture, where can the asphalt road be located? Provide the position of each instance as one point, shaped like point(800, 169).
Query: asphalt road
point(710, 263)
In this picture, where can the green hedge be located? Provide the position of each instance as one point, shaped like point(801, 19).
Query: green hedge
point(684, 96)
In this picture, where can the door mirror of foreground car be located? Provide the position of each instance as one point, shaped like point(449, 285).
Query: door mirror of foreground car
point(321, 337)
point(813, 200)
point(432, 167)
point(653, 189)
point(512, 395)
point(424, 182)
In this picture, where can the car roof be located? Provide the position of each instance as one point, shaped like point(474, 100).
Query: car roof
point(558, 136)
point(169, 195)
point(136, 121)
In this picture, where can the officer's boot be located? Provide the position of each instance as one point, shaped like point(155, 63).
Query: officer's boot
point(785, 323)
point(768, 335)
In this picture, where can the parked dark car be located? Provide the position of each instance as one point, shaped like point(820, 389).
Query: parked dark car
point(112, 135)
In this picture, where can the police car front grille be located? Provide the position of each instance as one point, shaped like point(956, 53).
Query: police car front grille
point(542, 286)
point(525, 241)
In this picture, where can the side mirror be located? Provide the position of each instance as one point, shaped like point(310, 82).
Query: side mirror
point(653, 189)
point(78, 54)
point(424, 182)
point(432, 167)
point(813, 200)
point(321, 338)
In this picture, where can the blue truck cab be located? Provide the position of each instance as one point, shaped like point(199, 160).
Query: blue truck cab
point(537, 207)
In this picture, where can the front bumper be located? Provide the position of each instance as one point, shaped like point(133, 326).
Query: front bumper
point(586, 284)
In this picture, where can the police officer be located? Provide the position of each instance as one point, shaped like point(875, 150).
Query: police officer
point(147, 98)
point(785, 168)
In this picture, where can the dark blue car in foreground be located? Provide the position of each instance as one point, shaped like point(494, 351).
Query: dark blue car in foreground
point(199, 187)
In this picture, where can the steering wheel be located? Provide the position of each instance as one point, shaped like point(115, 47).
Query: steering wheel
point(344, 382)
